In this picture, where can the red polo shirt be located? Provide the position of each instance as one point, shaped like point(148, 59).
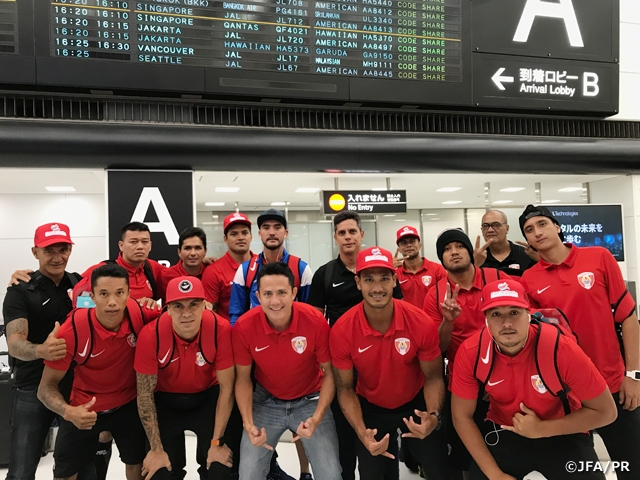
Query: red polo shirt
point(175, 271)
point(138, 284)
point(108, 374)
point(217, 281)
point(588, 287)
point(515, 379)
point(415, 286)
point(287, 362)
point(471, 319)
point(388, 364)
point(182, 368)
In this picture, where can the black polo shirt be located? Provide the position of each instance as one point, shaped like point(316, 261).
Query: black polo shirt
point(515, 264)
point(43, 304)
point(341, 291)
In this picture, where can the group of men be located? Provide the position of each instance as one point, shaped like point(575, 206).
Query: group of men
point(251, 346)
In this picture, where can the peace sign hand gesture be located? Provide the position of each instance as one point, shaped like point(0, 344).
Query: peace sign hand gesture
point(450, 308)
point(480, 252)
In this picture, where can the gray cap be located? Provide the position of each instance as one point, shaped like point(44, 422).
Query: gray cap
point(272, 214)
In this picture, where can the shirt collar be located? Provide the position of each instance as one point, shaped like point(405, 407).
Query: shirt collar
point(569, 261)
point(397, 322)
point(424, 267)
point(478, 283)
point(123, 263)
point(103, 333)
point(269, 330)
point(284, 258)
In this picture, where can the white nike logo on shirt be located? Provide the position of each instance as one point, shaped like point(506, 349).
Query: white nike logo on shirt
point(165, 356)
point(177, 358)
point(46, 301)
point(543, 289)
point(337, 284)
point(253, 267)
point(403, 281)
point(491, 384)
point(360, 350)
point(260, 349)
point(485, 359)
point(96, 354)
point(84, 352)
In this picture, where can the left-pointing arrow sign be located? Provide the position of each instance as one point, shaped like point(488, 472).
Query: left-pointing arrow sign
point(498, 79)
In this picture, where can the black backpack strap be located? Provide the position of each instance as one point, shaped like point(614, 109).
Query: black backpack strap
point(74, 278)
point(328, 272)
point(148, 272)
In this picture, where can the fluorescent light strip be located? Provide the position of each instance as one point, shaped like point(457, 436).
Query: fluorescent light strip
point(502, 202)
point(452, 202)
point(60, 189)
point(512, 189)
point(570, 189)
point(227, 189)
point(449, 189)
point(214, 204)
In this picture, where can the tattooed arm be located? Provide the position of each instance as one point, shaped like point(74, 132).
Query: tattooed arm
point(19, 347)
point(157, 457)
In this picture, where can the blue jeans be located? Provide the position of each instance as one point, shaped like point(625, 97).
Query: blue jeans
point(278, 416)
point(30, 423)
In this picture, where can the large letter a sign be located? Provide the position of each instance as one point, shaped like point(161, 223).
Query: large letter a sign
point(152, 196)
point(540, 8)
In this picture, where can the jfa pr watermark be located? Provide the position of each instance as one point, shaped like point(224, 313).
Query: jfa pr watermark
point(590, 466)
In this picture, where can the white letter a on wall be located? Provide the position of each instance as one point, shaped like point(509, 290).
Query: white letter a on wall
point(540, 8)
point(165, 224)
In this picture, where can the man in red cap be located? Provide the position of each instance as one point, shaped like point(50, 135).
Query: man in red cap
point(33, 312)
point(218, 278)
point(416, 274)
point(530, 426)
point(389, 343)
point(587, 285)
point(185, 357)
point(100, 342)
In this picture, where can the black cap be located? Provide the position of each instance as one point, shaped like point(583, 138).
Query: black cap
point(453, 235)
point(272, 214)
point(539, 211)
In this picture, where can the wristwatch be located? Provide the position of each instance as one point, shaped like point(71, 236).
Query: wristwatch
point(635, 374)
point(218, 442)
point(438, 415)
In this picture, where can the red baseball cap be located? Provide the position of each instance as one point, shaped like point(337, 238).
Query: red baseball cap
point(374, 257)
point(51, 233)
point(407, 232)
point(235, 217)
point(183, 288)
point(504, 293)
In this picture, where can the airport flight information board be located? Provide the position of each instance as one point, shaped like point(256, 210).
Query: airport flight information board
point(8, 27)
point(413, 39)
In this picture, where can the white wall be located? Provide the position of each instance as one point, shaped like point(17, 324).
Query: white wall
point(629, 60)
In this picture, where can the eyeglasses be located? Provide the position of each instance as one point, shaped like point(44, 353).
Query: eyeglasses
point(494, 225)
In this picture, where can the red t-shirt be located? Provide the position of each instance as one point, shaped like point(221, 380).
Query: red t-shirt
point(138, 284)
point(108, 374)
point(217, 281)
point(182, 368)
point(588, 287)
point(287, 363)
point(515, 379)
point(175, 271)
point(471, 319)
point(388, 364)
point(416, 285)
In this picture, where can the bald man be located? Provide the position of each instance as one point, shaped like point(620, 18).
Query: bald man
point(498, 252)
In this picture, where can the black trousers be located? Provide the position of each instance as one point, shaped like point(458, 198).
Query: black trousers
point(194, 412)
point(622, 439)
point(518, 456)
point(347, 439)
point(430, 452)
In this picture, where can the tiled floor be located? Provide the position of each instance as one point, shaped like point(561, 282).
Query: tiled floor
point(287, 459)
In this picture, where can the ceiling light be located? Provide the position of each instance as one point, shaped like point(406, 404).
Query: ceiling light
point(279, 204)
point(390, 215)
point(449, 189)
point(451, 202)
point(431, 214)
point(60, 189)
point(551, 201)
point(379, 189)
point(227, 189)
point(214, 204)
point(307, 190)
point(512, 189)
point(570, 189)
point(433, 219)
point(502, 202)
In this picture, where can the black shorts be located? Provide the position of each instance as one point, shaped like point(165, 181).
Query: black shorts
point(77, 448)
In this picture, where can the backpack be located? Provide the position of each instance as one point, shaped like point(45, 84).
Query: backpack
point(552, 323)
point(83, 329)
point(253, 268)
point(84, 285)
point(165, 337)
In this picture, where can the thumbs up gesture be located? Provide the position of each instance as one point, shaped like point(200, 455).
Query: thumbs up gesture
point(81, 416)
point(53, 348)
point(527, 423)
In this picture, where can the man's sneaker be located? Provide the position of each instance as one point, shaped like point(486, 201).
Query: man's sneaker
point(276, 473)
point(306, 476)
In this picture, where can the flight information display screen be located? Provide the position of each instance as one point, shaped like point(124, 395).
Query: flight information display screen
point(418, 40)
point(8, 27)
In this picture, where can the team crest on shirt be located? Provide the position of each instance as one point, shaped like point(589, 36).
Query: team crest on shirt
point(299, 344)
point(426, 279)
point(199, 359)
point(403, 345)
point(131, 340)
point(537, 384)
point(586, 279)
